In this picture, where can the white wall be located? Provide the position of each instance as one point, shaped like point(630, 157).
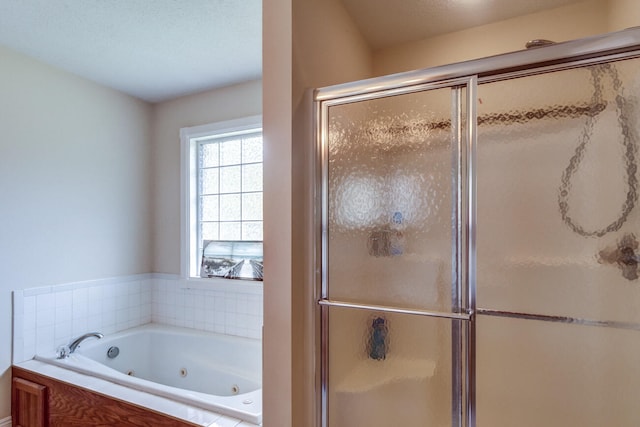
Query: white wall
point(228, 103)
point(74, 179)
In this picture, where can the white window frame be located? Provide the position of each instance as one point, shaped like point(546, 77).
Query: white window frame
point(189, 259)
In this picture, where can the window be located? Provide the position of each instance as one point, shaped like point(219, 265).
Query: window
point(222, 200)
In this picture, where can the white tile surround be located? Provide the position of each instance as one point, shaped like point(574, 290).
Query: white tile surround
point(47, 317)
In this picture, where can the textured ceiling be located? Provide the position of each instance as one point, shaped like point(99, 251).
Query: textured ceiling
point(161, 49)
point(152, 49)
point(386, 23)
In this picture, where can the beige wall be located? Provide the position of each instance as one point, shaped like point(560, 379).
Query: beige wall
point(277, 68)
point(565, 23)
point(74, 179)
point(227, 103)
point(306, 44)
point(311, 44)
point(623, 14)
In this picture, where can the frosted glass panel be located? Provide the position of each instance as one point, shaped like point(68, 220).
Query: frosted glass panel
point(389, 202)
point(252, 150)
point(209, 155)
point(210, 208)
point(533, 374)
point(252, 206)
point(230, 152)
point(252, 230)
point(230, 231)
point(388, 370)
point(230, 179)
point(558, 225)
point(252, 177)
point(230, 207)
point(210, 231)
point(210, 181)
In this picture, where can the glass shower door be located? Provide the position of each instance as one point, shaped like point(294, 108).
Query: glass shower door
point(557, 248)
point(393, 311)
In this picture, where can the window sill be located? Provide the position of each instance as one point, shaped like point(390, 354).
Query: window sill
point(220, 284)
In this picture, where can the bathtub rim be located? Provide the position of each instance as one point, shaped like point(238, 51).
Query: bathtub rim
point(226, 405)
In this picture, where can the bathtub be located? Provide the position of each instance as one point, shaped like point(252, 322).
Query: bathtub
point(220, 373)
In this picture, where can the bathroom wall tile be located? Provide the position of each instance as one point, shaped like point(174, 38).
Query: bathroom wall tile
point(45, 317)
point(145, 313)
point(94, 322)
point(29, 304)
point(230, 303)
point(209, 316)
point(63, 332)
point(63, 314)
point(29, 323)
point(45, 339)
point(63, 299)
point(45, 301)
point(37, 291)
point(49, 316)
point(255, 334)
point(80, 304)
point(18, 349)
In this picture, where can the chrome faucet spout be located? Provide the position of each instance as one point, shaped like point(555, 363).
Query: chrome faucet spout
point(77, 341)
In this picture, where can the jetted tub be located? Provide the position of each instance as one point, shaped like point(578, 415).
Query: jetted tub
point(220, 373)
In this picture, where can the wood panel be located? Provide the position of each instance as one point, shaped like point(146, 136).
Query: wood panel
point(28, 403)
point(73, 406)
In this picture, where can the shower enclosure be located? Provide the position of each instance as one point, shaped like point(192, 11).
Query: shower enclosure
point(477, 241)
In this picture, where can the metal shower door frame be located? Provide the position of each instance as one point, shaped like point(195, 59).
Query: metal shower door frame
point(463, 118)
point(580, 53)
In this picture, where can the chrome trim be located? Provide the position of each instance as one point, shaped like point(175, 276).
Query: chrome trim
point(395, 91)
point(570, 64)
point(560, 319)
point(457, 367)
point(324, 367)
point(323, 151)
point(585, 48)
point(472, 118)
point(389, 309)
point(323, 192)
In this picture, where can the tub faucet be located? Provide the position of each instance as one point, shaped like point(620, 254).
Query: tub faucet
point(64, 351)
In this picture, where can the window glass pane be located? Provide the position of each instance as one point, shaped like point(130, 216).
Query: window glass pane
point(252, 177)
point(230, 231)
point(210, 231)
point(229, 190)
point(252, 206)
point(209, 181)
point(209, 208)
point(209, 156)
point(230, 153)
point(252, 150)
point(252, 230)
point(230, 179)
point(230, 207)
